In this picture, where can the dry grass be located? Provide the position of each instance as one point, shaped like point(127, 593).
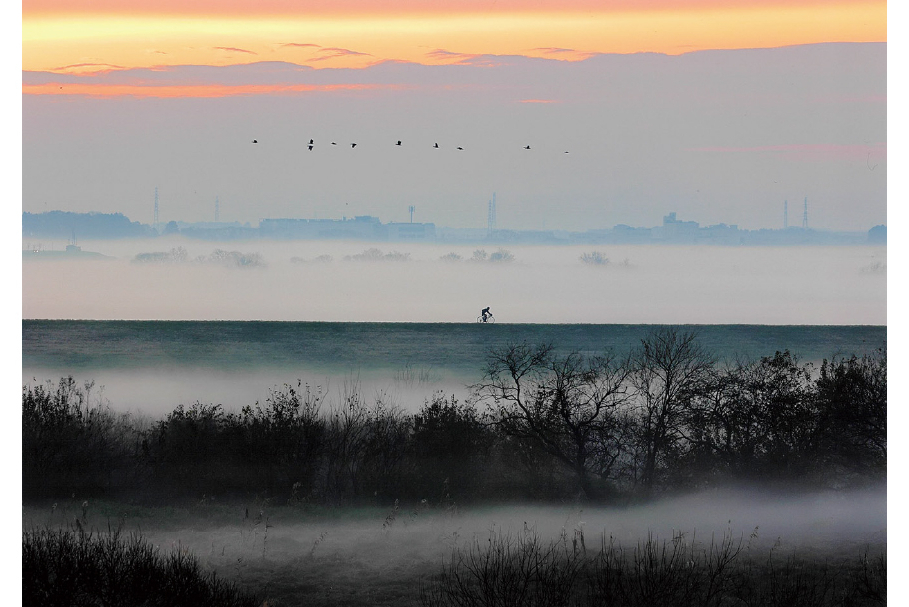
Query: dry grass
point(402, 554)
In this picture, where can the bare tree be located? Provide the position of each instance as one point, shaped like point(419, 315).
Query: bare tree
point(569, 404)
point(670, 370)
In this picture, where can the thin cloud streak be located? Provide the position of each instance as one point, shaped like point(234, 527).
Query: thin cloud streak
point(334, 53)
point(565, 54)
point(103, 67)
point(474, 60)
point(234, 50)
point(192, 91)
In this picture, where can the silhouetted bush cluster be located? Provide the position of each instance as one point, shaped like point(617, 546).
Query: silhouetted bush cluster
point(218, 256)
point(538, 426)
point(500, 256)
point(374, 254)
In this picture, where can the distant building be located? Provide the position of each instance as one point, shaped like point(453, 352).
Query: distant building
point(411, 232)
point(878, 235)
point(720, 234)
point(220, 231)
point(625, 234)
point(363, 227)
point(674, 230)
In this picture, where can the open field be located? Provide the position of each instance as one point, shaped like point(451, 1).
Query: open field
point(385, 555)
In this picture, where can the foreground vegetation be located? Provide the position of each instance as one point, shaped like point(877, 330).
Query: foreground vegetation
point(76, 567)
point(387, 564)
point(538, 427)
point(523, 570)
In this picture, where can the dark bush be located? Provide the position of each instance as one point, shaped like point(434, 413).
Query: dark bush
point(61, 567)
point(69, 445)
point(450, 451)
point(272, 449)
point(852, 415)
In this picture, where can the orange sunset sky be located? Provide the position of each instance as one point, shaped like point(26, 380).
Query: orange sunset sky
point(68, 36)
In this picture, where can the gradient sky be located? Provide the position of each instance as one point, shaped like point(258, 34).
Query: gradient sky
point(717, 109)
point(73, 36)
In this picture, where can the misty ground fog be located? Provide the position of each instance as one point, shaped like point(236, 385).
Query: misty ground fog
point(380, 553)
point(640, 284)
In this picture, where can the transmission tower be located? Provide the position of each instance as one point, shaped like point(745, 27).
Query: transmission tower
point(156, 208)
point(491, 217)
point(411, 208)
point(805, 215)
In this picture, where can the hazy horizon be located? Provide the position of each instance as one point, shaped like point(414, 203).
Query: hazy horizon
point(641, 284)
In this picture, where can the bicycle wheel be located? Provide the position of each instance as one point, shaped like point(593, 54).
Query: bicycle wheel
point(479, 319)
point(490, 319)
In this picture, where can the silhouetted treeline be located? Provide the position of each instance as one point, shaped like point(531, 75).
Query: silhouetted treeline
point(63, 224)
point(538, 426)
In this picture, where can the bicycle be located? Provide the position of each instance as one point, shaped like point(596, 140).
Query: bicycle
point(490, 319)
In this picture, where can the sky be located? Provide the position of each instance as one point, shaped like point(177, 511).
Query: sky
point(722, 111)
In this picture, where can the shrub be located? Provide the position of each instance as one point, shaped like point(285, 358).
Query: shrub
point(68, 444)
point(450, 448)
point(479, 255)
point(374, 254)
point(234, 258)
point(595, 258)
point(507, 571)
point(61, 567)
point(175, 255)
point(501, 256)
point(269, 448)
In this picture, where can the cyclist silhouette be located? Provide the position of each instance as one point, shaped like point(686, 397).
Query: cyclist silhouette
point(486, 313)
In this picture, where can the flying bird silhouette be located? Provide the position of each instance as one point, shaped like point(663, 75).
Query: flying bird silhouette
point(526, 147)
point(333, 143)
point(398, 143)
point(311, 142)
point(255, 141)
point(353, 145)
point(460, 148)
point(436, 145)
point(310, 148)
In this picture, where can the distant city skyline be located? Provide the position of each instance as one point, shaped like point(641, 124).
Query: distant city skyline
point(797, 218)
point(673, 230)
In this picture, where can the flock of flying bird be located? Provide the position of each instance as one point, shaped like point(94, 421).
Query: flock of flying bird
point(312, 144)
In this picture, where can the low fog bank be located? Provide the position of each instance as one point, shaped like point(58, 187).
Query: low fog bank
point(403, 282)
